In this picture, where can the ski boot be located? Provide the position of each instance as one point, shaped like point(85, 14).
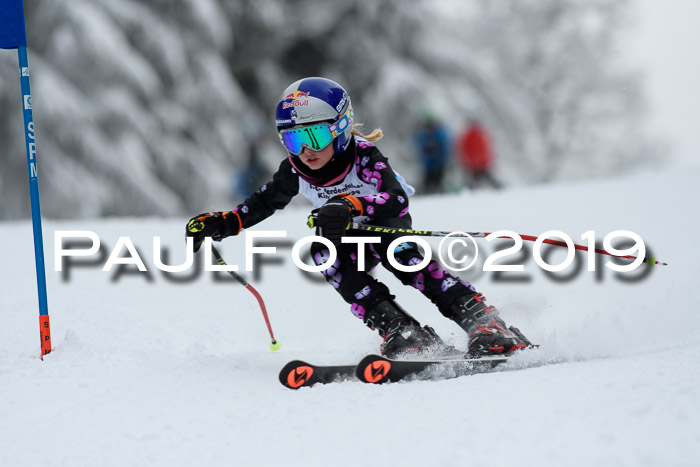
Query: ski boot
point(488, 334)
point(403, 335)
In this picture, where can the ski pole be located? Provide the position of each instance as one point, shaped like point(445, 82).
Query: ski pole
point(274, 343)
point(436, 233)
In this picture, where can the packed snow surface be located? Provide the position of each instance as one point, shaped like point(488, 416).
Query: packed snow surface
point(150, 368)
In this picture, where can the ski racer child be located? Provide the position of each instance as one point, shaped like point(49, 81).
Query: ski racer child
point(347, 179)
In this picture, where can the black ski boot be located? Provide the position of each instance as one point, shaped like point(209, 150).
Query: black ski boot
point(403, 335)
point(488, 334)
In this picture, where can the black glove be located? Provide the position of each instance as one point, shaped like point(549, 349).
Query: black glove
point(335, 216)
point(217, 225)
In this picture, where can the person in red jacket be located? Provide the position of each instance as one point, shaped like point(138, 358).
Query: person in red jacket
point(476, 156)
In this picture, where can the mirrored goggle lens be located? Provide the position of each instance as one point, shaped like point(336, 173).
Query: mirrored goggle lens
point(314, 137)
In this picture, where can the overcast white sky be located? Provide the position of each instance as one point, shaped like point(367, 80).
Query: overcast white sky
point(666, 42)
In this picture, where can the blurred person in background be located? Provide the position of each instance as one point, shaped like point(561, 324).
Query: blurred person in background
point(253, 175)
point(432, 143)
point(347, 179)
point(476, 156)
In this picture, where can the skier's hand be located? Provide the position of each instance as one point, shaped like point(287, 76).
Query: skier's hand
point(217, 225)
point(335, 216)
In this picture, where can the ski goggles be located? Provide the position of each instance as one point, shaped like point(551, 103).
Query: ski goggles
point(316, 136)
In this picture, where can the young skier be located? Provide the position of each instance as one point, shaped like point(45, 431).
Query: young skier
point(347, 179)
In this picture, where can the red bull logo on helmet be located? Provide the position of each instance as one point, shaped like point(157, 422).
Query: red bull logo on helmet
point(296, 95)
point(297, 98)
point(295, 103)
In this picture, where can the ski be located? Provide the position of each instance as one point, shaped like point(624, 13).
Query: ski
point(376, 369)
point(297, 374)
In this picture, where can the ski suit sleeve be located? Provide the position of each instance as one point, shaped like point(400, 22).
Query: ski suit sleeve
point(272, 196)
point(391, 200)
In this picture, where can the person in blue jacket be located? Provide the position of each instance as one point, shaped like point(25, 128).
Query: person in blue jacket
point(432, 142)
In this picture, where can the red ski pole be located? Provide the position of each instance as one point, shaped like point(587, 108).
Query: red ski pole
point(435, 233)
point(274, 343)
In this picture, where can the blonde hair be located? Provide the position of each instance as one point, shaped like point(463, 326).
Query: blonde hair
point(375, 136)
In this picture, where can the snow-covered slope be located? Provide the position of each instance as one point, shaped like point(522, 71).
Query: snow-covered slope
point(147, 371)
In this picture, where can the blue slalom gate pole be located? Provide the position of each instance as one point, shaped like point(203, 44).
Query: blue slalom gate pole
point(13, 36)
point(30, 138)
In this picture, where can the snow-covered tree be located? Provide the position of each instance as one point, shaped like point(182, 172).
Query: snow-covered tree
point(145, 107)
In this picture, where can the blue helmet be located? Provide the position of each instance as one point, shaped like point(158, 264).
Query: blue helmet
point(317, 99)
